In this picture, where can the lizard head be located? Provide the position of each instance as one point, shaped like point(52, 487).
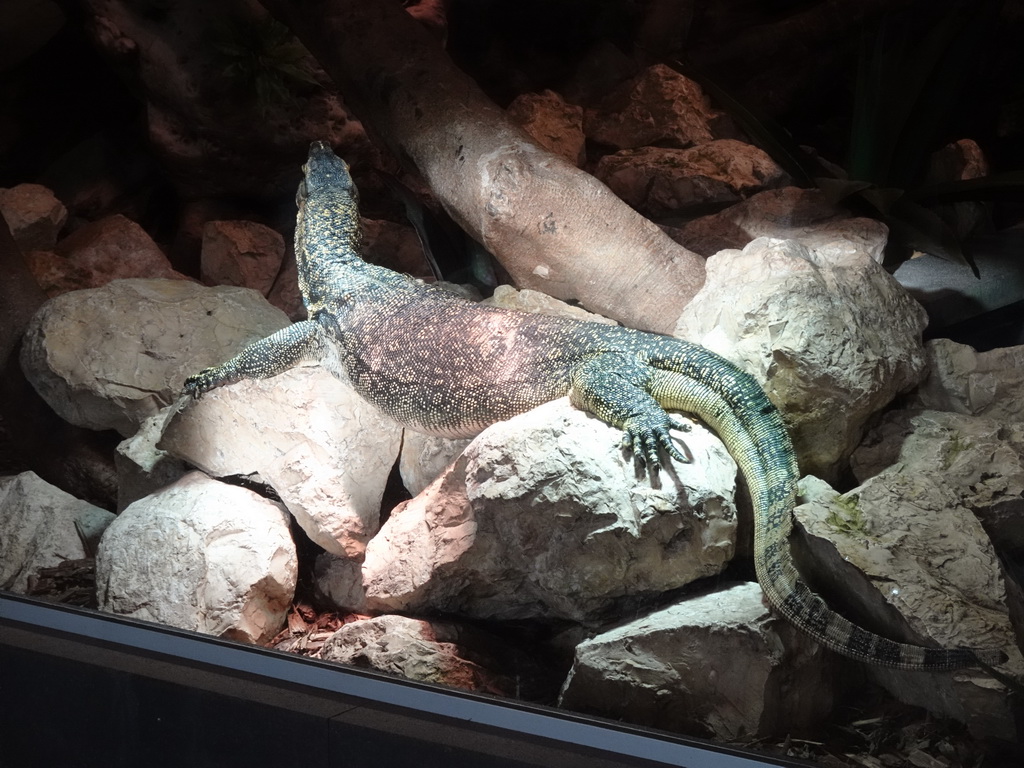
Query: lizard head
point(325, 173)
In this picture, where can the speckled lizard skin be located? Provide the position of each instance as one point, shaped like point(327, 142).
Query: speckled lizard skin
point(446, 366)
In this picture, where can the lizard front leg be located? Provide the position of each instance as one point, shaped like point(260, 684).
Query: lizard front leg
point(614, 387)
point(262, 359)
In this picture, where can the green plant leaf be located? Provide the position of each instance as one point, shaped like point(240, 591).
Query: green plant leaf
point(1008, 185)
point(925, 231)
point(866, 121)
point(839, 190)
point(882, 199)
point(905, 93)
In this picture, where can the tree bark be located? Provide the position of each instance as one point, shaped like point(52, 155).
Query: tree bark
point(553, 227)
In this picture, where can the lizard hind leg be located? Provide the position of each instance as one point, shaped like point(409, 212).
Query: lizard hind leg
point(613, 386)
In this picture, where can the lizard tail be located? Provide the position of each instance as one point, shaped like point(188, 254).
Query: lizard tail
point(733, 404)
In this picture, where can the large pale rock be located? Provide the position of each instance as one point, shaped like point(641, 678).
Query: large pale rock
point(989, 384)
point(244, 253)
point(34, 214)
point(542, 515)
point(912, 561)
point(718, 665)
point(110, 357)
point(200, 555)
point(142, 468)
point(552, 122)
point(41, 526)
point(431, 652)
point(833, 339)
point(658, 106)
point(324, 450)
point(661, 181)
point(980, 460)
point(425, 457)
point(338, 582)
point(789, 213)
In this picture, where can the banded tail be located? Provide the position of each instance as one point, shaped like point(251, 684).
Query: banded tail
point(735, 406)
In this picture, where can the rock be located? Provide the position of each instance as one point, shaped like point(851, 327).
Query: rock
point(395, 246)
point(142, 468)
point(338, 582)
point(324, 450)
point(285, 295)
point(718, 665)
point(39, 528)
point(912, 561)
point(34, 214)
point(110, 357)
point(193, 216)
point(539, 303)
point(658, 106)
point(660, 181)
point(113, 248)
point(959, 161)
point(243, 253)
point(55, 274)
point(980, 460)
point(989, 384)
point(463, 290)
point(425, 457)
point(833, 340)
point(789, 213)
point(430, 652)
point(552, 122)
point(432, 14)
point(203, 556)
point(543, 516)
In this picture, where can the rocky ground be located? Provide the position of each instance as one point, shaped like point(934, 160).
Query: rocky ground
point(534, 560)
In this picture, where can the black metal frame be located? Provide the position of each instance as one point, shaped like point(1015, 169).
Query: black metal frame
point(433, 725)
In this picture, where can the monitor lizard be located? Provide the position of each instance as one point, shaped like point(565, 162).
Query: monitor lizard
point(444, 365)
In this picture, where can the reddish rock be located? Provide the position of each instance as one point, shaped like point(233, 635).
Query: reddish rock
point(242, 253)
point(112, 248)
point(659, 181)
point(34, 215)
point(658, 106)
point(432, 652)
point(552, 122)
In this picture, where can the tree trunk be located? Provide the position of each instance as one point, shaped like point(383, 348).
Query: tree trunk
point(554, 228)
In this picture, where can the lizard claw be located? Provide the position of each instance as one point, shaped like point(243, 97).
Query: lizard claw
point(202, 382)
point(646, 438)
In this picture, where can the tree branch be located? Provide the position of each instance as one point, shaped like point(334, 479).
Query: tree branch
point(553, 227)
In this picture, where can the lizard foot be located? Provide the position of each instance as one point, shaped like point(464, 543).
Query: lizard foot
point(202, 382)
point(643, 437)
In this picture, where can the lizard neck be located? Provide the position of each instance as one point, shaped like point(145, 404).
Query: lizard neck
point(327, 239)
